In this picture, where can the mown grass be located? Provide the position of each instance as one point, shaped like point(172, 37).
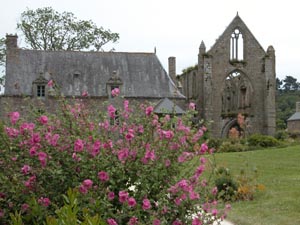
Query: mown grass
point(279, 172)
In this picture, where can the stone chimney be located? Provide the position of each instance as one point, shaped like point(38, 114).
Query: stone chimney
point(11, 41)
point(172, 69)
point(297, 106)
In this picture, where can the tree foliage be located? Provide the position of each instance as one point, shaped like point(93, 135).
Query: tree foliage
point(2, 59)
point(288, 93)
point(47, 29)
point(290, 83)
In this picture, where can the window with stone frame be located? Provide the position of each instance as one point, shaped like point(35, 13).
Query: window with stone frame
point(40, 90)
point(236, 94)
point(236, 46)
point(39, 87)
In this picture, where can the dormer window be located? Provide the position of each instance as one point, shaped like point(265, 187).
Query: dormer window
point(113, 83)
point(39, 87)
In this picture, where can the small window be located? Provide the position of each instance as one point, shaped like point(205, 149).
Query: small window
point(40, 90)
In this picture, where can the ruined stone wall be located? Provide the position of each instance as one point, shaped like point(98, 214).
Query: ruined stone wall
point(257, 70)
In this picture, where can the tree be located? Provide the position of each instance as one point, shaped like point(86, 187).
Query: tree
point(290, 83)
point(2, 59)
point(47, 29)
point(278, 83)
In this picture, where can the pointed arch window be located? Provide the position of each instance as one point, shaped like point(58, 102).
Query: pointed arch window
point(236, 94)
point(237, 45)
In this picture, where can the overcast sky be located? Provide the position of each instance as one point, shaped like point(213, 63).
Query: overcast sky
point(176, 27)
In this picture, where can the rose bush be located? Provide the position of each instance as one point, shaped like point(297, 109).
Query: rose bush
point(125, 164)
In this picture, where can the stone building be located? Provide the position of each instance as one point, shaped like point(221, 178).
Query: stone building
point(236, 76)
point(293, 123)
point(139, 76)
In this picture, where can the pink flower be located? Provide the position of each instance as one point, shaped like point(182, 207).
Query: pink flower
point(54, 139)
point(44, 201)
point(24, 207)
point(204, 183)
point(131, 202)
point(27, 127)
point(43, 120)
point(14, 117)
point(87, 183)
point(96, 148)
point(115, 92)
point(111, 222)
point(123, 196)
point(149, 110)
point(103, 176)
point(146, 204)
point(35, 138)
point(84, 94)
point(228, 206)
point(83, 189)
point(78, 145)
point(25, 169)
point(168, 134)
point(42, 156)
point(110, 195)
point(50, 83)
point(214, 191)
point(123, 154)
point(203, 160)
point(196, 221)
point(214, 212)
point(111, 111)
point(11, 132)
point(33, 151)
point(75, 157)
point(133, 221)
point(126, 105)
point(204, 148)
point(156, 222)
point(129, 136)
point(192, 106)
point(199, 170)
point(167, 162)
point(193, 195)
point(177, 222)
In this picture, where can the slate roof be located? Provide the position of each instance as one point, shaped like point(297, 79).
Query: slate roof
point(295, 116)
point(167, 106)
point(142, 74)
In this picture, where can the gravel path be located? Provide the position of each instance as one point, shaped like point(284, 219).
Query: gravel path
point(225, 222)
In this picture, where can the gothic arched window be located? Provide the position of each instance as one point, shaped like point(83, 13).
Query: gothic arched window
point(236, 45)
point(236, 93)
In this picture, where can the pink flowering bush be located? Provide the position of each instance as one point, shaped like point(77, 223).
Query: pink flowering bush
point(128, 172)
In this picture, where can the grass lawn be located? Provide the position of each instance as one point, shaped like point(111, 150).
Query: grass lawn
point(279, 171)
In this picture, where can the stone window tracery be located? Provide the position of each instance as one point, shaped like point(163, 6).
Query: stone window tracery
point(236, 94)
point(236, 45)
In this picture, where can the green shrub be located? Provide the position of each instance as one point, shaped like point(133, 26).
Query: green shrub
point(226, 185)
point(215, 143)
point(281, 135)
point(263, 141)
point(228, 146)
